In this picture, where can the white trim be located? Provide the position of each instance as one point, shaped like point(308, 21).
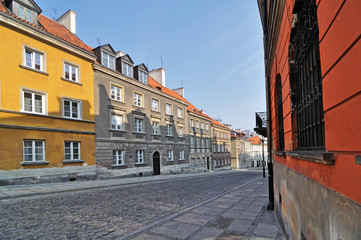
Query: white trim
point(80, 107)
point(121, 92)
point(42, 59)
point(171, 108)
point(33, 154)
point(76, 66)
point(158, 105)
point(72, 150)
point(142, 99)
point(44, 100)
point(117, 155)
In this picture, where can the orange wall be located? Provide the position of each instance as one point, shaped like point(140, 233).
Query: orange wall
point(340, 51)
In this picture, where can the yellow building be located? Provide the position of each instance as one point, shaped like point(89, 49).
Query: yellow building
point(46, 90)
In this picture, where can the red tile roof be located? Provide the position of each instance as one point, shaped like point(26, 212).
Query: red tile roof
point(218, 123)
point(255, 140)
point(53, 28)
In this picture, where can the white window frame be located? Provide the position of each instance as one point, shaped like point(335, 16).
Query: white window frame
point(180, 112)
point(33, 93)
point(109, 64)
point(180, 131)
point(191, 122)
point(79, 108)
point(116, 93)
point(138, 125)
point(181, 155)
point(33, 52)
point(118, 158)
point(33, 150)
point(139, 156)
point(71, 67)
point(155, 128)
point(207, 127)
point(143, 77)
point(170, 155)
point(155, 105)
point(115, 123)
point(169, 129)
point(197, 124)
point(202, 142)
point(198, 142)
point(168, 109)
point(127, 69)
point(137, 99)
point(191, 142)
point(72, 151)
point(202, 125)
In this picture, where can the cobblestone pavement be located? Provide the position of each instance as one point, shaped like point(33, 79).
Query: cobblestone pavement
point(113, 212)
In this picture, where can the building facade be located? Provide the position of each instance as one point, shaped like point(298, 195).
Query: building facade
point(312, 51)
point(221, 146)
point(139, 127)
point(46, 90)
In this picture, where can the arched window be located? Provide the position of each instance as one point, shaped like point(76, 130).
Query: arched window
point(305, 76)
point(281, 140)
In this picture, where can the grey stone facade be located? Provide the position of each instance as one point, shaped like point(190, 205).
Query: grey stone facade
point(125, 118)
point(221, 146)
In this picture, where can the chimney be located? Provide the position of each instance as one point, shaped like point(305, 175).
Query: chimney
point(180, 91)
point(68, 20)
point(120, 54)
point(158, 75)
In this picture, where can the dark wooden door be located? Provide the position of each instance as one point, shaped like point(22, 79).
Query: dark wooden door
point(156, 163)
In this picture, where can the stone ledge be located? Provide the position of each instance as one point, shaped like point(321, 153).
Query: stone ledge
point(73, 161)
point(281, 153)
point(35, 163)
point(321, 157)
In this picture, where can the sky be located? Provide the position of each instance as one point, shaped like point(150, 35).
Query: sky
point(214, 49)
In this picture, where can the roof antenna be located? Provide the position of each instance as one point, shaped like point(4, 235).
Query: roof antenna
point(161, 60)
point(98, 41)
point(55, 13)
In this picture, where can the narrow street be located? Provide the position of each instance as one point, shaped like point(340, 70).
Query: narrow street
point(109, 213)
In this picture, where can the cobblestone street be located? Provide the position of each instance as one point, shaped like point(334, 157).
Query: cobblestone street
point(110, 213)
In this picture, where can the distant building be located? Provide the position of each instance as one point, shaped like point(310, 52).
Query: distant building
point(221, 146)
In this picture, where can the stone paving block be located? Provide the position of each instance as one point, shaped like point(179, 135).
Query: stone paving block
point(231, 213)
point(221, 222)
point(230, 235)
point(254, 209)
point(217, 204)
point(194, 218)
point(208, 210)
point(248, 216)
point(240, 207)
point(208, 234)
point(148, 237)
point(176, 230)
point(240, 225)
point(266, 230)
point(253, 237)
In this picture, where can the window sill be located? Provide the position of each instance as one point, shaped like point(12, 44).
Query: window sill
point(327, 158)
point(154, 111)
point(140, 164)
point(71, 81)
point(170, 136)
point(117, 130)
point(281, 153)
point(141, 133)
point(119, 166)
point(115, 100)
point(34, 70)
point(34, 163)
point(73, 161)
point(138, 107)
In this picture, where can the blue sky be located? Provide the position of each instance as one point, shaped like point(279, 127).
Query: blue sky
point(213, 48)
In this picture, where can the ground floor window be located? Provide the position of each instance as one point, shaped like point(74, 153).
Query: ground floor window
point(181, 155)
point(139, 158)
point(170, 155)
point(34, 150)
point(72, 150)
point(118, 157)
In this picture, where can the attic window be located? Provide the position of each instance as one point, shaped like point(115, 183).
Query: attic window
point(159, 88)
point(25, 13)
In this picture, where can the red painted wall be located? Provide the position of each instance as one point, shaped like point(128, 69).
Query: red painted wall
point(340, 52)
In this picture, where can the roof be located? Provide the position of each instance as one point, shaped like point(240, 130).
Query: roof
point(219, 124)
point(52, 27)
point(255, 140)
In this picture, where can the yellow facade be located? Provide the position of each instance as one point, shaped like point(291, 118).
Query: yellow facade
point(51, 127)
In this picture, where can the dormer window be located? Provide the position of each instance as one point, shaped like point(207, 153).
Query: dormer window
point(143, 77)
point(25, 13)
point(127, 69)
point(108, 60)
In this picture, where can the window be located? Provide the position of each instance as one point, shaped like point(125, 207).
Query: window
point(34, 150)
point(207, 127)
point(138, 125)
point(127, 69)
point(191, 122)
point(155, 105)
point(170, 155)
point(214, 147)
point(197, 142)
point(71, 109)
point(202, 125)
point(197, 124)
point(168, 109)
point(71, 72)
point(117, 122)
point(192, 141)
point(180, 113)
point(138, 100)
point(180, 131)
point(143, 77)
point(33, 102)
point(72, 151)
point(215, 163)
point(218, 147)
point(202, 142)
point(214, 133)
point(25, 13)
point(170, 129)
point(217, 134)
point(181, 155)
point(280, 112)
point(155, 128)
point(118, 157)
point(207, 143)
point(108, 60)
point(139, 156)
point(116, 93)
point(34, 59)
point(306, 78)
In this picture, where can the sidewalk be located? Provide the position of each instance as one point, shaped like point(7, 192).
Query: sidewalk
point(239, 214)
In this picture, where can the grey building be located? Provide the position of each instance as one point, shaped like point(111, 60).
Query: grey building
point(139, 127)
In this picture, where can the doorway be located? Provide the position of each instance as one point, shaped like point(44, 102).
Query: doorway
point(156, 163)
